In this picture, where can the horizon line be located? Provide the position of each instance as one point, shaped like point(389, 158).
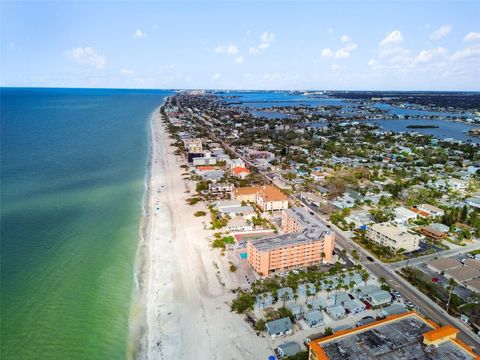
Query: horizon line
point(233, 89)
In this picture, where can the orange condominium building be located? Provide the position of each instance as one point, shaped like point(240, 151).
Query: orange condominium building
point(397, 337)
point(306, 242)
point(268, 198)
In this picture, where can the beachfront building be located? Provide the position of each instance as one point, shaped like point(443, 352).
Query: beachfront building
point(234, 163)
point(193, 145)
point(310, 244)
point(207, 159)
point(394, 236)
point(240, 172)
point(279, 327)
point(220, 188)
point(268, 198)
point(402, 336)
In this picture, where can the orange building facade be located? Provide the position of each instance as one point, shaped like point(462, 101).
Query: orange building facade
point(303, 244)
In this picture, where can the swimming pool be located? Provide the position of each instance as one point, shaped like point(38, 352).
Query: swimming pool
point(243, 255)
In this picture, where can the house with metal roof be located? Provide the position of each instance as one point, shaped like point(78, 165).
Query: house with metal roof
point(316, 304)
point(378, 298)
point(336, 311)
point(288, 349)
point(314, 318)
point(307, 289)
point(354, 306)
point(296, 309)
point(285, 293)
point(263, 300)
point(279, 327)
point(393, 309)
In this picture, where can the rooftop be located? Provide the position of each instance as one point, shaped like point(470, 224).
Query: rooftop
point(313, 231)
point(444, 264)
point(397, 337)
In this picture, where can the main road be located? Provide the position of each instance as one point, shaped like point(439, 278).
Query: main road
point(423, 303)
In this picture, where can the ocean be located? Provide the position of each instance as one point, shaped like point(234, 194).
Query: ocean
point(73, 166)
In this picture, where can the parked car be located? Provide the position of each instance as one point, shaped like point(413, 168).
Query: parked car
point(396, 294)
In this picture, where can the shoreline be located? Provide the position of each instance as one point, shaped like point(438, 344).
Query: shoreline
point(136, 319)
point(180, 309)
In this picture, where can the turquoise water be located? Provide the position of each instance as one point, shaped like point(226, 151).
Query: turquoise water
point(243, 255)
point(72, 172)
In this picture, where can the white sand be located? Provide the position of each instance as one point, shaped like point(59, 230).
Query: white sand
point(185, 312)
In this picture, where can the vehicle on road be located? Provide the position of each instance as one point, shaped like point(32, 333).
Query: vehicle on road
point(369, 258)
point(408, 304)
point(396, 294)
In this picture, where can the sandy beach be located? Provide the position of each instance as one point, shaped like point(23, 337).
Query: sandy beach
point(183, 311)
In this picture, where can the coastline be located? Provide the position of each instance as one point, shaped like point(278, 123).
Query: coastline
point(180, 308)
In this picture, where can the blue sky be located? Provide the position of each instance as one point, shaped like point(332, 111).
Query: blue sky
point(387, 45)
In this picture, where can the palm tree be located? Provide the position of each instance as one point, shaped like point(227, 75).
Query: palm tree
point(382, 280)
point(322, 255)
point(365, 277)
point(284, 298)
point(451, 285)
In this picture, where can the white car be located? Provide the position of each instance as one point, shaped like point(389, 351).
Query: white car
point(408, 304)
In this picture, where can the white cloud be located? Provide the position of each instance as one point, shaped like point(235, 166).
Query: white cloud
point(342, 54)
point(139, 34)
point(392, 39)
point(217, 76)
point(87, 56)
point(335, 67)
point(267, 37)
point(467, 53)
point(330, 30)
point(220, 49)
point(127, 71)
point(472, 36)
point(345, 38)
point(441, 32)
point(239, 59)
point(426, 56)
point(230, 49)
point(326, 53)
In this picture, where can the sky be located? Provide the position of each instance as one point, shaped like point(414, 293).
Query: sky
point(340, 45)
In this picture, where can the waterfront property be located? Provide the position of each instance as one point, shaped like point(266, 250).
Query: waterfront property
point(280, 327)
point(267, 198)
point(313, 244)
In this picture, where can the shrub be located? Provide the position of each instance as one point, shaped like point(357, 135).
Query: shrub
point(200, 213)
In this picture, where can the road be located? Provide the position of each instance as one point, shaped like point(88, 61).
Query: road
point(425, 305)
point(443, 254)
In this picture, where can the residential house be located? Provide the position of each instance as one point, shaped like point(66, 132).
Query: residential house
point(280, 327)
point(263, 300)
point(240, 172)
point(307, 289)
point(336, 312)
point(285, 293)
point(288, 349)
point(378, 298)
point(314, 318)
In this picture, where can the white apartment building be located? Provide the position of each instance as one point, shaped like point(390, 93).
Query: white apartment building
point(394, 236)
